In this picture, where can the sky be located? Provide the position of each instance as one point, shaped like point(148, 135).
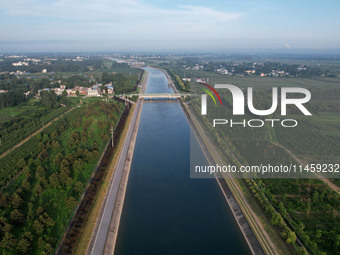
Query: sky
point(161, 25)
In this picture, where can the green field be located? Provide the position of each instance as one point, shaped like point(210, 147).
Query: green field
point(307, 206)
point(25, 119)
point(10, 112)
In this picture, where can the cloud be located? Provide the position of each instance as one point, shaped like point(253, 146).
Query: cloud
point(287, 46)
point(112, 11)
point(112, 21)
point(138, 24)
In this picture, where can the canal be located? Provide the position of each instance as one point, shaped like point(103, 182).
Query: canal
point(166, 212)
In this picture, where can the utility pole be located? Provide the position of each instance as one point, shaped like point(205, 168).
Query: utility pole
point(112, 136)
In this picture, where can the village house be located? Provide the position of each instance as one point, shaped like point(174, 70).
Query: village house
point(71, 92)
point(93, 92)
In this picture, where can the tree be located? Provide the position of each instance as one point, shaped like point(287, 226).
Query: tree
point(45, 138)
point(40, 172)
point(38, 136)
point(78, 93)
point(290, 236)
point(65, 164)
point(71, 202)
point(300, 227)
point(21, 163)
point(41, 243)
point(78, 187)
point(78, 164)
point(5, 200)
point(16, 201)
point(54, 135)
point(74, 139)
point(27, 172)
point(276, 219)
point(8, 242)
point(64, 93)
point(46, 219)
point(55, 146)
point(7, 228)
point(31, 162)
point(48, 98)
point(318, 233)
point(301, 251)
point(38, 188)
point(70, 158)
point(26, 185)
point(41, 146)
point(61, 129)
point(23, 246)
point(58, 159)
point(17, 216)
point(282, 208)
point(38, 227)
point(39, 211)
point(106, 77)
point(54, 180)
point(48, 249)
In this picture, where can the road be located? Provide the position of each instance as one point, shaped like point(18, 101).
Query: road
point(100, 238)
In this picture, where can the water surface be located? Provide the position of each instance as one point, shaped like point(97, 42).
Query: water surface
point(166, 212)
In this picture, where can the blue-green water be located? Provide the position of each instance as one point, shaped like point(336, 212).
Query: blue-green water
point(166, 212)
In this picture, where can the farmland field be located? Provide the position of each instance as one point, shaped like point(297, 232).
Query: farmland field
point(50, 173)
point(309, 207)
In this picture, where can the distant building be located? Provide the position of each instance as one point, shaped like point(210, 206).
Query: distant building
point(20, 64)
point(93, 92)
point(59, 91)
point(45, 89)
point(71, 92)
point(110, 90)
point(44, 71)
point(137, 64)
point(83, 91)
point(200, 80)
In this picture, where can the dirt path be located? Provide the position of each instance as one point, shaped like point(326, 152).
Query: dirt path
point(33, 134)
point(325, 180)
